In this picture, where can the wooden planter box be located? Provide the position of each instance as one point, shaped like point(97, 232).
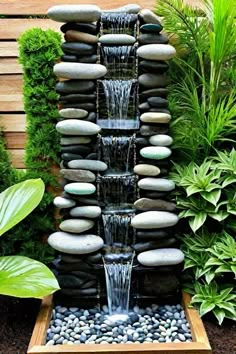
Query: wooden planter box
point(200, 344)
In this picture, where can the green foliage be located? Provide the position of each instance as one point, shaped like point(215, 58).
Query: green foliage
point(39, 50)
point(22, 276)
point(7, 172)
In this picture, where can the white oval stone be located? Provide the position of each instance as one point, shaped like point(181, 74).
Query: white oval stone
point(75, 244)
point(154, 220)
point(156, 51)
point(76, 225)
point(73, 113)
point(77, 127)
point(89, 211)
point(61, 202)
point(155, 152)
point(75, 140)
point(161, 140)
point(129, 9)
point(161, 257)
point(156, 184)
point(92, 165)
point(80, 188)
point(146, 170)
point(118, 39)
point(155, 117)
point(74, 13)
point(79, 70)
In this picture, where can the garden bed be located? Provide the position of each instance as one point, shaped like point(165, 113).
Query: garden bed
point(199, 345)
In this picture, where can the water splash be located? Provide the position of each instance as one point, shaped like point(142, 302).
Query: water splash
point(115, 23)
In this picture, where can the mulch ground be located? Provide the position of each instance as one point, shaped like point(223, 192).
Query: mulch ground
point(17, 318)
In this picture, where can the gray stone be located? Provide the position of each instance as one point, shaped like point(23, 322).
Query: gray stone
point(150, 81)
point(147, 130)
point(160, 92)
point(75, 140)
point(156, 52)
point(156, 184)
point(150, 245)
point(74, 13)
point(73, 113)
point(149, 38)
point(130, 9)
point(154, 204)
point(157, 102)
point(117, 39)
point(80, 188)
point(90, 28)
point(146, 170)
point(77, 36)
point(154, 220)
point(148, 16)
point(161, 257)
point(86, 211)
point(78, 48)
point(78, 175)
point(93, 165)
point(76, 225)
point(155, 117)
point(77, 127)
point(79, 71)
point(75, 86)
point(155, 152)
point(160, 140)
point(61, 202)
point(72, 244)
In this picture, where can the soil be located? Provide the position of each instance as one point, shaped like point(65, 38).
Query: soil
point(17, 318)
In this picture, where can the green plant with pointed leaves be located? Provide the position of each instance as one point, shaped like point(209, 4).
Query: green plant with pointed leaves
point(21, 276)
point(211, 298)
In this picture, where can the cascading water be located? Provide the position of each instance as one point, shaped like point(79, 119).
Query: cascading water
point(115, 23)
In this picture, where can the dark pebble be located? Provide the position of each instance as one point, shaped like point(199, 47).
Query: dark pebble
point(148, 130)
point(78, 97)
point(150, 38)
point(153, 66)
point(75, 86)
point(157, 102)
point(151, 28)
point(78, 48)
point(83, 27)
point(76, 149)
point(86, 106)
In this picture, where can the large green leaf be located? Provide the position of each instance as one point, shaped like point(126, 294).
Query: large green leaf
point(197, 221)
point(18, 201)
point(25, 277)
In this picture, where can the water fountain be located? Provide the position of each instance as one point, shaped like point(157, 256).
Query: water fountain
point(116, 240)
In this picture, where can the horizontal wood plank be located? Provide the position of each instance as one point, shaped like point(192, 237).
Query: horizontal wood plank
point(10, 84)
point(11, 103)
point(15, 140)
point(13, 122)
point(17, 157)
point(9, 49)
point(11, 28)
point(10, 66)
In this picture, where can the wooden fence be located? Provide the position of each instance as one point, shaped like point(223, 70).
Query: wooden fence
point(13, 22)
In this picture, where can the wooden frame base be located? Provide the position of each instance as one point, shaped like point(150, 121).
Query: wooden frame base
point(200, 344)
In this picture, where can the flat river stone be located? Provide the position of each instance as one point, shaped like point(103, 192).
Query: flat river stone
point(153, 66)
point(155, 117)
point(78, 98)
point(161, 257)
point(78, 48)
point(157, 102)
point(147, 130)
point(117, 39)
point(80, 188)
point(151, 28)
point(162, 92)
point(150, 245)
point(146, 170)
point(79, 71)
point(75, 140)
point(154, 220)
point(77, 127)
point(156, 184)
point(78, 175)
point(154, 204)
point(93, 165)
point(153, 234)
point(61, 202)
point(75, 86)
point(149, 80)
point(74, 13)
point(73, 113)
point(76, 225)
point(75, 244)
point(130, 9)
point(156, 52)
point(148, 16)
point(155, 152)
point(149, 38)
point(86, 211)
point(82, 26)
point(161, 140)
point(77, 36)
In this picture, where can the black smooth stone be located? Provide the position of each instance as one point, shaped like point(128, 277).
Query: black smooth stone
point(76, 292)
point(159, 92)
point(78, 48)
point(152, 234)
point(157, 102)
point(154, 195)
point(148, 130)
point(76, 149)
point(142, 142)
point(159, 163)
point(162, 110)
point(88, 59)
point(75, 86)
point(69, 281)
point(94, 258)
point(86, 106)
point(91, 117)
point(69, 58)
point(84, 275)
point(89, 284)
point(164, 283)
point(87, 201)
point(68, 157)
point(150, 245)
point(153, 66)
point(144, 106)
point(151, 28)
point(150, 38)
point(92, 156)
point(74, 266)
point(78, 97)
point(82, 27)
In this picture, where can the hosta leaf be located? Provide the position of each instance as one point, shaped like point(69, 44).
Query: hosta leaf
point(213, 261)
point(18, 201)
point(228, 180)
point(211, 187)
point(197, 221)
point(212, 197)
point(209, 277)
point(192, 190)
point(231, 210)
point(219, 216)
point(223, 268)
point(188, 263)
point(227, 306)
point(220, 315)
point(25, 277)
point(233, 268)
point(187, 213)
point(206, 307)
point(197, 298)
point(225, 292)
